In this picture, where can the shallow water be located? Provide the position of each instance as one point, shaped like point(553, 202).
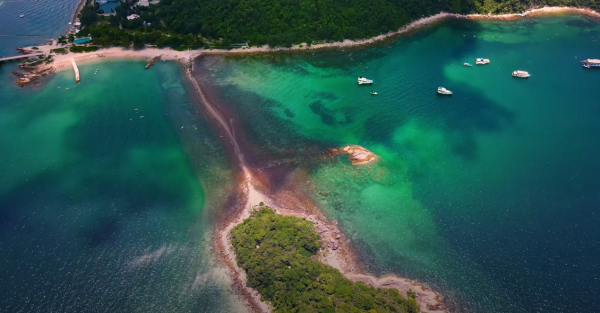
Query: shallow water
point(489, 195)
point(102, 210)
point(43, 20)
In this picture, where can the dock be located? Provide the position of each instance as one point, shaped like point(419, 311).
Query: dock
point(17, 57)
point(154, 60)
point(75, 69)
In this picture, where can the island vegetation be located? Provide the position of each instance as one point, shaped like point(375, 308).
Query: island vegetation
point(190, 24)
point(279, 255)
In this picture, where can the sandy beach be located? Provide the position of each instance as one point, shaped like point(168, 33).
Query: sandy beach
point(62, 61)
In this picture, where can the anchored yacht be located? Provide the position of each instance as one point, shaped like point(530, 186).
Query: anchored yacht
point(481, 61)
point(364, 81)
point(520, 74)
point(444, 91)
point(589, 63)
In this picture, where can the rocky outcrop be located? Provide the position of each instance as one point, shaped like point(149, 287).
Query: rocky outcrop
point(356, 154)
point(31, 75)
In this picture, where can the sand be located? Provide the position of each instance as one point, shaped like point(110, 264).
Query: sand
point(62, 60)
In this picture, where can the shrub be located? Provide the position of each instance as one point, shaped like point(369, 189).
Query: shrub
point(277, 254)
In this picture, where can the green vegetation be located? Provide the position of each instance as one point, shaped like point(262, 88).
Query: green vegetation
point(283, 22)
point(279, 255)
point(59, 50)
point(75, 48)
point(182, 24)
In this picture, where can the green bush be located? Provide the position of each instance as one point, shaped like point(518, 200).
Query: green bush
point(59, 50)
point(75, 48)
point(278, 254)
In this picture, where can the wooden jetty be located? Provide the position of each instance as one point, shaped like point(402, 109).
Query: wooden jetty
point(154, 60)
point(18, 57)
point(75, 69)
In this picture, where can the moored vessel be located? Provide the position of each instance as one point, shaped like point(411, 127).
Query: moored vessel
point(481, 61)
point(589, 63)
point(22, 15)
point(444, 91)
point(467, 64)
point(374, 93)
point(521, 74)
point(364, 81)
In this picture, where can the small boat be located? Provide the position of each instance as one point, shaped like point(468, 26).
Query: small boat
point(467, 64)
point(444, 91)
point(374, 93)
point(520, 74)
point(364, 81)
point(589, 63)
point(481, 61)
point(22, 15)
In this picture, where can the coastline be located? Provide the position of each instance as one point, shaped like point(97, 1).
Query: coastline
point(341, 256)
point(61, 61)
point(337, 251)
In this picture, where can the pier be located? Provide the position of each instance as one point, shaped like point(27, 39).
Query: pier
point(18, 57)
point(154, 60)
point(75, 69)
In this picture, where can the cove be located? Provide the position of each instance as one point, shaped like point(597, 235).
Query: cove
point(489, 195)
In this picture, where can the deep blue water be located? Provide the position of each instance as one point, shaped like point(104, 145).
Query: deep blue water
point(43, 20)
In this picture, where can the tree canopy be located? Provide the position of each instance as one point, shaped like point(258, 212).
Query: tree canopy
point(183, 23)
point(278, 254)
point(283, 22)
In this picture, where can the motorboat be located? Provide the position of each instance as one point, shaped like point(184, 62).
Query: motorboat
point(520, 74)
point(481, 61)
point(589, 63)
point(467, 64)
point(364, 81)
point(374, 93)
point(22, 15)
point(444, 91)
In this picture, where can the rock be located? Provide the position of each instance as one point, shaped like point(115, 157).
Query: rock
point(320, 229)
point(356, 154)
point(333, 245)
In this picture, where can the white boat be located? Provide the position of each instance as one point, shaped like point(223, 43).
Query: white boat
point(481, 61)
point(374, 93)
point(589, 63)
point(22, 15)
point(520, 74)
point(444, 91)
point(364, 81)
point(467, 64)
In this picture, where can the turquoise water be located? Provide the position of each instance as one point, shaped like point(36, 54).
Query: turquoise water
point(102, 210)
point(43, 20)
point(490, 195)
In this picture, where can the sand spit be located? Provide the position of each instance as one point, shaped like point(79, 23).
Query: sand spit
point(336, 252)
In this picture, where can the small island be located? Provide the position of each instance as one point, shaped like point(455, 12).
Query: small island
point(280, 256)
